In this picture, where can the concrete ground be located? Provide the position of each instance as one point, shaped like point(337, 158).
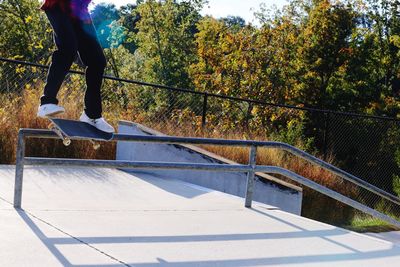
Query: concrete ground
point(102, 217)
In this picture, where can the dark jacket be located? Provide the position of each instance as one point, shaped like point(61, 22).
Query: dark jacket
point(65, 4)
point(76, 9)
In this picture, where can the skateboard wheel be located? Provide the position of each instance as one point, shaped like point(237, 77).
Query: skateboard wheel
point(66, 142)
point(96, 146)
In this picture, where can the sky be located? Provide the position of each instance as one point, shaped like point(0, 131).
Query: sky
point(223, 8)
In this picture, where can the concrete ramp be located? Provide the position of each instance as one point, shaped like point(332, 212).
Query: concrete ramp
point(267, 189)
point(101, 217)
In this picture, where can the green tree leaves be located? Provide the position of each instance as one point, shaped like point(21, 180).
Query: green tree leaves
point(166, 39)
point(342, 55)
point(24, 30)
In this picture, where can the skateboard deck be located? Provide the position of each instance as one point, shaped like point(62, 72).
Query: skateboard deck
point(68, 129)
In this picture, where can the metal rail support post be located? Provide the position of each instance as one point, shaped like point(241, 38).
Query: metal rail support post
point(19, 170)
point(250, 177)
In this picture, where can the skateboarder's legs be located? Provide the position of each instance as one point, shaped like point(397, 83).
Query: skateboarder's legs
point(72, 35)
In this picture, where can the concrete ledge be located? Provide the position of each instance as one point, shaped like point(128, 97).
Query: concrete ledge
point(268, 189)
point(218, 158)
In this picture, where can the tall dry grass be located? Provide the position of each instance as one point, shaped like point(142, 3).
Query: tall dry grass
point(19, 111)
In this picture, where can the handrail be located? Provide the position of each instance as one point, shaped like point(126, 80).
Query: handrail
point(246, 143)
point(250, 169)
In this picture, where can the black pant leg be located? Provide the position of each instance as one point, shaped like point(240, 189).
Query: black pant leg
point(67, 46)
point(92, 56)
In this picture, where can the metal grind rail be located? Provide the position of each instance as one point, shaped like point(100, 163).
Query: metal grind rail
point(250, 169)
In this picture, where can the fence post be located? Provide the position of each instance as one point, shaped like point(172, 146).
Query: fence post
point(250, 177)
point(248, 115)
point(326, 133)
point(203, 118)
point(19, 170)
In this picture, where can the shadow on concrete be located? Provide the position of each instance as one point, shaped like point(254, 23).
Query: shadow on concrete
point(275, 261)
point(352, 255)
point(199, 238)
point(45, 240)
point(183, 190)
point(324, 236)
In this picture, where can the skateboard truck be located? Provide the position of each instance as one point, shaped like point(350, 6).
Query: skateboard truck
point(95, 144)
point(65, 139)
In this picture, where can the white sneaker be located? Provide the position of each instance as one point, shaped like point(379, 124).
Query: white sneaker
point(99, 123)
point(48, 110)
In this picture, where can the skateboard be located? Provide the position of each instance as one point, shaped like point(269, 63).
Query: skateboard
point(71, 129)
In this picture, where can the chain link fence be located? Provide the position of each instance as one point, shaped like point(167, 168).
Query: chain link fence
point(365, 146)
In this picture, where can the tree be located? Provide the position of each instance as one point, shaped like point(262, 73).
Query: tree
point(105, 19)
point(323, 50)
point(234, 23)
point(24, 31)
point(255, 63)
point(165, 42)
point(165, 39)
point(24, 34)
point(129, 19)
point(103, 16)
point(384, 25)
